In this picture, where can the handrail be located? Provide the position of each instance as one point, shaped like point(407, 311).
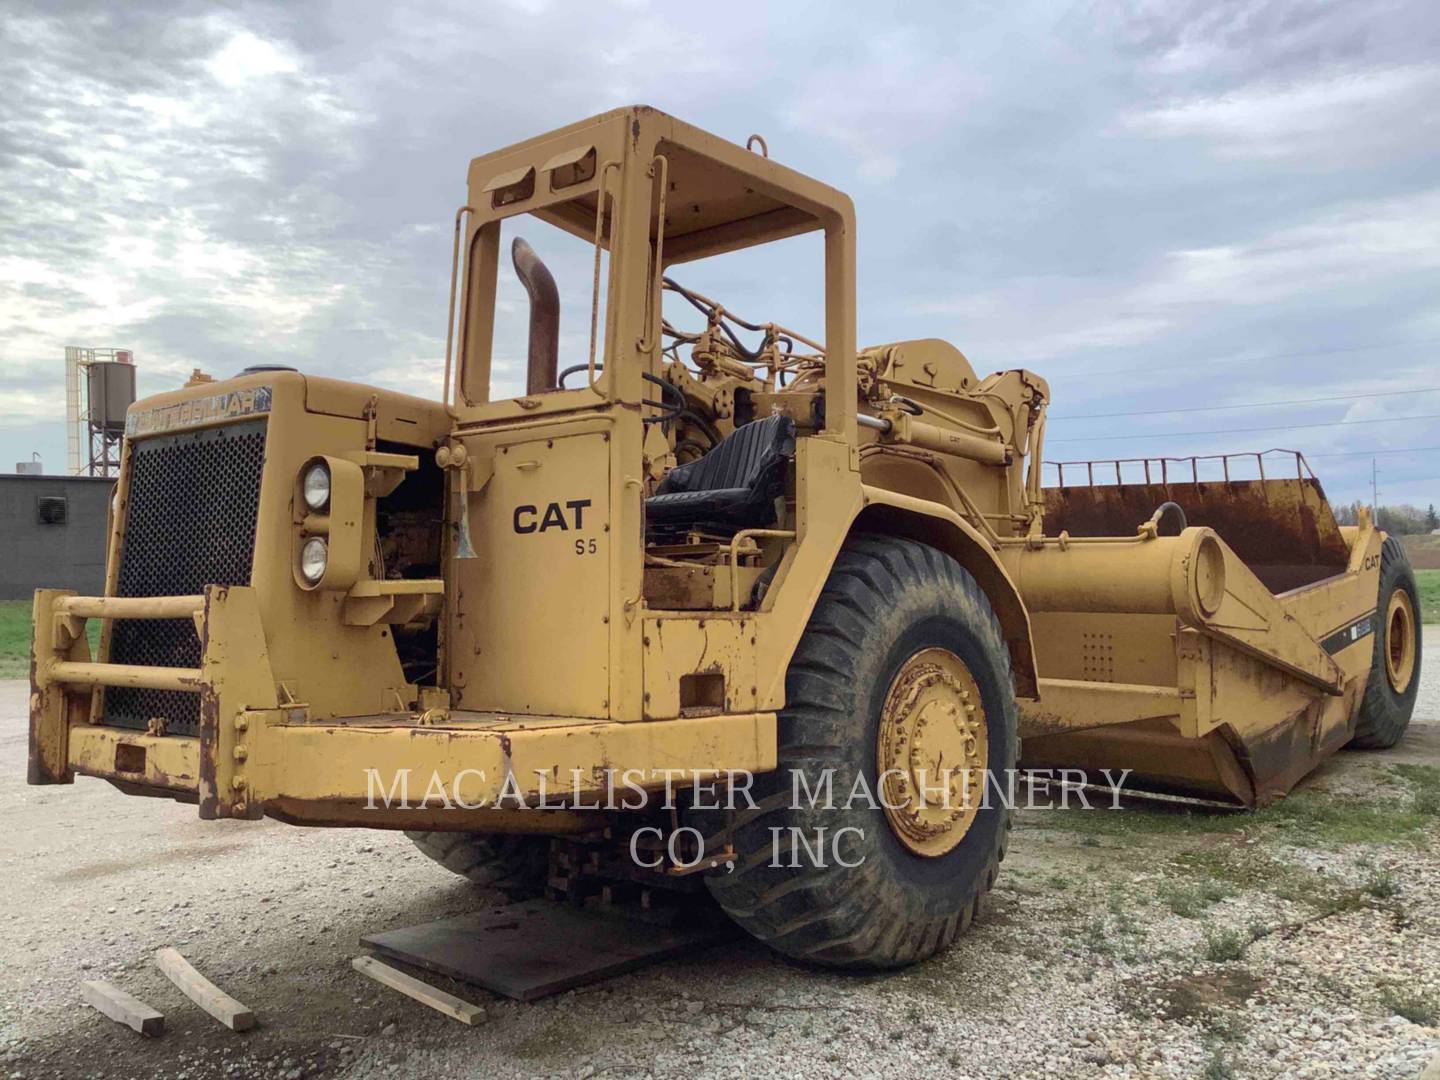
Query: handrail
point(1302, 467)
point(450, 320)
point(734, 553)
point(600, 192)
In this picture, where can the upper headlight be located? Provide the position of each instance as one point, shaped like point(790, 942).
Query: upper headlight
point(316, 486)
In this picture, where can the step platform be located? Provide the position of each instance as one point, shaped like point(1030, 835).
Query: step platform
point(537, 948)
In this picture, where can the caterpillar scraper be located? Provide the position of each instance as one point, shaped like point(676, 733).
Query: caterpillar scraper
point(716, 606)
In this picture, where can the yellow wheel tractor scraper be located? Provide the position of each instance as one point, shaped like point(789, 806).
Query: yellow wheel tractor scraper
point(656, 618)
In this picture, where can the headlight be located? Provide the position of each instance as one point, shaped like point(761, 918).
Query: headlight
point(316, 486)
point(313, 557)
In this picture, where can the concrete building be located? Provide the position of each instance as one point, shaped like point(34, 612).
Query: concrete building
point(52, 533)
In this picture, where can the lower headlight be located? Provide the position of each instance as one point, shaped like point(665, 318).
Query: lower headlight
point(313, 557)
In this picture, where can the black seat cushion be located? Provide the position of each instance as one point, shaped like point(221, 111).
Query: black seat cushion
point(734, 486)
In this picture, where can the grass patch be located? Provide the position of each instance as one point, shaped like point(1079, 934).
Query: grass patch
point(1317, 819)
point(1424, 784)
point(1382, 885)
point(15, 638)
point(1323, 820)
point(1225, 946)
point(1308, 818)
point(1154, 819)
point(1217, 1068)
point(1247, 868)
point(1190, 901)
point(1416, 1007)
point(1313, 818)
point(1428, 582)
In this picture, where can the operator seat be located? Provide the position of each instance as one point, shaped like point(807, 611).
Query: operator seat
point(734, 486)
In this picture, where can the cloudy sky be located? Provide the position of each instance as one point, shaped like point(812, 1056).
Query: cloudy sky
point(1188, 205)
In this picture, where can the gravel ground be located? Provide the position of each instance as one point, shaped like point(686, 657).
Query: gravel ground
point(1301, 942)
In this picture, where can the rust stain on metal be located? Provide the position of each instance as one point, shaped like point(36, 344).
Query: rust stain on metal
point(1282, 528)
point(209, 728)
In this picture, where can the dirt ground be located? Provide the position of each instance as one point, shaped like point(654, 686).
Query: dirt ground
point(1300, 942)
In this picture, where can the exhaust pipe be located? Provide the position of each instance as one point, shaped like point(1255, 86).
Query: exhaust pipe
point(544, 350)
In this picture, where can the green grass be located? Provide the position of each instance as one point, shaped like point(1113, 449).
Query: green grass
point(1429, 583)
point(1317, 820)
point(1217, 1068)
point(15, 638)
point(1382, 885)
point(1413, 1006)
point(1424, 783)
point(1190, 901)
point(1310, 818)
point(1225, 946)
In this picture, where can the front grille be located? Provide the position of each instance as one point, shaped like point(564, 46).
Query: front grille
point(190, 522)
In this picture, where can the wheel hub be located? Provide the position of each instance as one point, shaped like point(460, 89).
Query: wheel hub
point(1400, 640)
point(932, 753)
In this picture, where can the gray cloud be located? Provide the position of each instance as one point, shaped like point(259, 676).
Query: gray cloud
point(1153, 204)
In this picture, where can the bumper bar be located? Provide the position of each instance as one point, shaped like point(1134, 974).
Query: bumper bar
point(146, 678)
point(255, 756)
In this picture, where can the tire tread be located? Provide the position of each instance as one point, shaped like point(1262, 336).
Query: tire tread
point(803, 911)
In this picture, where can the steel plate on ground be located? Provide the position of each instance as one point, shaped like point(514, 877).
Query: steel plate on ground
point(534, 949)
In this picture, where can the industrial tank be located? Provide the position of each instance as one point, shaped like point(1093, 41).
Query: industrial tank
point(111, 390)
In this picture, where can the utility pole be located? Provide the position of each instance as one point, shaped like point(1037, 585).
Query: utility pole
point(1374, 491)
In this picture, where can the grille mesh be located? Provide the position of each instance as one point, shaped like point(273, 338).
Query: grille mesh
point(190, 522)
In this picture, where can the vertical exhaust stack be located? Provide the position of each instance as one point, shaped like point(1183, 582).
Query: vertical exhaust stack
point(544, 359)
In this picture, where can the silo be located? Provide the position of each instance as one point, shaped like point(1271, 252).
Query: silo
point(111, 389)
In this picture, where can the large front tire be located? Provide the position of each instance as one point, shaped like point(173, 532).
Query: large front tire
point(902, 645)
point(1395, 665)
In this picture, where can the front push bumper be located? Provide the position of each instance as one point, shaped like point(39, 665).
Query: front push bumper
point(256, 755)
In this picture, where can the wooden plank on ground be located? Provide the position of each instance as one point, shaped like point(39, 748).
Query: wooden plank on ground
point(203, 992)
point(120, 1006)
point(422, 992)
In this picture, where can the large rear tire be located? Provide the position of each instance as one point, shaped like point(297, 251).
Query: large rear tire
point(516, 865)
point(902, 662)
point(1395, 665)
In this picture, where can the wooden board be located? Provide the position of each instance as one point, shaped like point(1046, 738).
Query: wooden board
point(203, 992)
point(422, 992)
point(531, 950)
point(120, 1006)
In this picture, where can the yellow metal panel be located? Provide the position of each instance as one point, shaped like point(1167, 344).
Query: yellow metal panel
point(1105, 647)
point(1248, 617)
point(53, 710)
point(828, 496)
point(169, 762)
point(713, 645)
point(328, 762)
point(238, 677)
point(532, 630)
point(340, 767)
point(1068, 705)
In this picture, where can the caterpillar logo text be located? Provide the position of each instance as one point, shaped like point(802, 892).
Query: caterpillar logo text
point(529, 519)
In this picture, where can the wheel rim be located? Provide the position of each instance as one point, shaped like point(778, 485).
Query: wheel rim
point(1400, 641)
point(932, 752)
